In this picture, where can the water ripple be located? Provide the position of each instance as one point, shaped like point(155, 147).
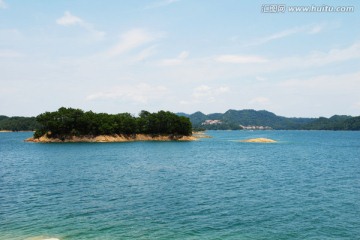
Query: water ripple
point(305, 187)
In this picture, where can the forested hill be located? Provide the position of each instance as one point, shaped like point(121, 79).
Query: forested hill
point(18, 123)
point(231, 119)
point(252, 119)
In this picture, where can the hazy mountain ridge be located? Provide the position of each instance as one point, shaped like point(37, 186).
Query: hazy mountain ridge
point(234, 119)
point(230, 120)
point(18, 123)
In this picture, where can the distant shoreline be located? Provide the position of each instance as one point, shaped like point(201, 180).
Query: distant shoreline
point(5, 131)
point(112, 138)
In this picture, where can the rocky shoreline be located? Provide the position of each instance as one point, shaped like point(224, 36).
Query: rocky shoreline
point(112, 138)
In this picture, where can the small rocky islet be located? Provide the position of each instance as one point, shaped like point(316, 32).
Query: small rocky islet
point(258, 140)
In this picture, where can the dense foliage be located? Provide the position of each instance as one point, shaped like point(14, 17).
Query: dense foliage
point(334, 123)
point(18, 123)
point(76, 122)
point(352, 123)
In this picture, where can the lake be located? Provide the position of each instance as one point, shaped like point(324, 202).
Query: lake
point(305, 186)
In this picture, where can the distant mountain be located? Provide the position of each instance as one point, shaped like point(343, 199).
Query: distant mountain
point(198, 118)
point(336, 122)
point(352, 123)
point(18, 123)
point(2, 117)
point(230, 120)
point(252, 119)
point(262, 118)
point(181, 114)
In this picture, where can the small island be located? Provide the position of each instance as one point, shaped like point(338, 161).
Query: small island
point(75, 125)
point(259, 140)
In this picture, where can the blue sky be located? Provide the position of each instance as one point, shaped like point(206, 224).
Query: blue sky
point(178, 55)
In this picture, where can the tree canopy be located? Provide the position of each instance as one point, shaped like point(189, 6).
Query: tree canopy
point(18, 123)
point(76, 122)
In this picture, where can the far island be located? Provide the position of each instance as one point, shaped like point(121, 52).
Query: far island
point(75, 125)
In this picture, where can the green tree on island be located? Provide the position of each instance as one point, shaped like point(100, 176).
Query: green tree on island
point(75, 122)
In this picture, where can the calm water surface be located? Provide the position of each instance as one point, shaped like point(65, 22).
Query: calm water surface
point(306, 186)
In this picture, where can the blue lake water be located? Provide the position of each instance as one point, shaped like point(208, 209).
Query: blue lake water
point(306, 186)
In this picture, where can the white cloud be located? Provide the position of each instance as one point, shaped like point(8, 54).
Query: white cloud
point(279, 35)
point(162, 3)
point(11, 32)
point(3, 5)
point(326, 84)
point(145, 53)
point(272, 65)
point(317, 59)
point(336, 55)
point(71, 20)
point(208, 69)
point(175, 61)
point(140, 93)
point(183, 55)
point(208, 94)
point(308, 29)
point(6, 53)
point(167, 2)
point(357, 106)
point(132, 40)
point(316, 29)
point(319, 95)
point(242, 59)
point(202, 91)
point(205, 94)
point(260, 78)
point(184, 102)
point(261, 101)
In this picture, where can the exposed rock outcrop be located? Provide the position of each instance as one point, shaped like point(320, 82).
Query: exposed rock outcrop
point(259, 140)
point(112, 138)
